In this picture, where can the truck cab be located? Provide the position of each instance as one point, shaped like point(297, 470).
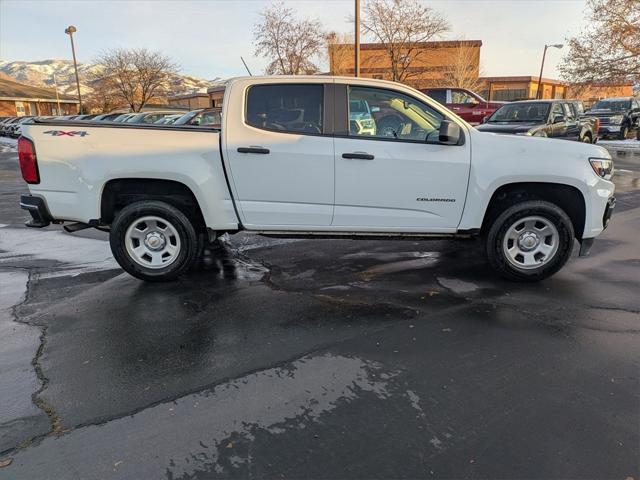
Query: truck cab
point(467, 104)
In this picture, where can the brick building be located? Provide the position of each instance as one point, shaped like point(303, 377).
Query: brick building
point(521, 88)
point(433, 61)
point(192, 101)
point(526, 87)
point(18, 99)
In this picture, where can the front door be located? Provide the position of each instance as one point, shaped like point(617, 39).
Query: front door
point(391, 172)
point(572, 122)
point(558, 121)
point(281, 161)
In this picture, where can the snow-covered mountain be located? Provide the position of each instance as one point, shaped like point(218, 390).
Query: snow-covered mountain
point(40, 74)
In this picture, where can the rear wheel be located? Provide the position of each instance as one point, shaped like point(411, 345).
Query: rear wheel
point(153, 241)
point(530, 241)
point(586, 138)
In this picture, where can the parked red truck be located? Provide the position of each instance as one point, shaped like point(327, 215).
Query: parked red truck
point(467, 104)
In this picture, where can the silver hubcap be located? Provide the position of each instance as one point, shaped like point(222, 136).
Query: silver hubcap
point(152, 242)
point(531, 242)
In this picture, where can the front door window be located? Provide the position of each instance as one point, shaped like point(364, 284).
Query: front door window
point(385, 114)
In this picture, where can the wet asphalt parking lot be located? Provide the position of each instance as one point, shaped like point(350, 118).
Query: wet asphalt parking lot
point(317, 359)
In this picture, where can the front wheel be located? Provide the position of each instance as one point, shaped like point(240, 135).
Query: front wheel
point(623, 132)
point(530, 241)
point(153, 241)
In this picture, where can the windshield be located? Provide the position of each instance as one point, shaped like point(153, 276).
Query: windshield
point(521, 112)
point(612, 105)
point(186, 117)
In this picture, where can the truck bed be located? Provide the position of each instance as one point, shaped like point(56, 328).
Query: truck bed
point(76, 159)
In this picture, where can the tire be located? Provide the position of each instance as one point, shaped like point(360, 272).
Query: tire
point(623, 132)
point(586, 138)
point(154, 241)
point(510, 241)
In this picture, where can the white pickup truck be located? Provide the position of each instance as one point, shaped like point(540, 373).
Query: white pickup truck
point(317, 156)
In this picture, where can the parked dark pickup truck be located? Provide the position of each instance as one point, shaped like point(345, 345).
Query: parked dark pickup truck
point(543, 118)
point(618, 116)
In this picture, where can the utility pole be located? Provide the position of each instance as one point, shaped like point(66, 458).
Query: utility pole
point(70, 30)
point(55, 82)
point(357, 40)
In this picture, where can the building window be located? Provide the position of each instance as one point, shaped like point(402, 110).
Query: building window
point(19, 109)
point(509, 94)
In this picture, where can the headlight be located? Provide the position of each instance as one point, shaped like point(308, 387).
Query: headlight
point(539, 133)
point(367, 123)
point(603, 167)
point(616, 119)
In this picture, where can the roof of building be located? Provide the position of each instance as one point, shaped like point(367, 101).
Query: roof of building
point(182, 96)
point(10, 89)
point(435, 44)
point(523, 78)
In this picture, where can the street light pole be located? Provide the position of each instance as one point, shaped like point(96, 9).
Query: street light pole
point(70, 30)
point(357, 40)
point(539, 92)
point(55, 82)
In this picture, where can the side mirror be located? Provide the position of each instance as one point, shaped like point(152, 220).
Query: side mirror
point(485, 118)
point(449, 133)
point(557, 119)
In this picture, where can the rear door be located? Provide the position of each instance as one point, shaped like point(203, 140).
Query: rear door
point(280, 154)
point(395, 176)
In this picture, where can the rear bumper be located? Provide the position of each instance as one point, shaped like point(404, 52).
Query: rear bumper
point(36, 206)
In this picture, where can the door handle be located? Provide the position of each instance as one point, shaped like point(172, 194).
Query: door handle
point(358, 156)
point(261, 150)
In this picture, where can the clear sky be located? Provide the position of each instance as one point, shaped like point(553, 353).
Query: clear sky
point(207, 37)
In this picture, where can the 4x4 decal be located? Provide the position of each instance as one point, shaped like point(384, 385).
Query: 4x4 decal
point(62, 133)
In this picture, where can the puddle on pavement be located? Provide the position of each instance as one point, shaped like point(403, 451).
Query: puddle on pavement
point(197, 428)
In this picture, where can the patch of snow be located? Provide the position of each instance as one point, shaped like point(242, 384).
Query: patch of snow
point(198, 430)
point(11, 142)
point(76, 254)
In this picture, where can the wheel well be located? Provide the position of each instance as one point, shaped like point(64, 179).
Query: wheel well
point(566, 197)
point(121, 192)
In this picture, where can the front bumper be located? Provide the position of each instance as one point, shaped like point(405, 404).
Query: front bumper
point(609, 130)
point(608, 211)
point(587, 243)
point(36, 206)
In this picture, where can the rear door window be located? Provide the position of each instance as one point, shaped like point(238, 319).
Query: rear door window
point(290, 108)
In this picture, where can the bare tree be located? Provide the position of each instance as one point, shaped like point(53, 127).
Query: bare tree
point(400, 25)
point(291, 44)
point(104, 97)
point(609, 48)
point(464, 70)
point(137, 75)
